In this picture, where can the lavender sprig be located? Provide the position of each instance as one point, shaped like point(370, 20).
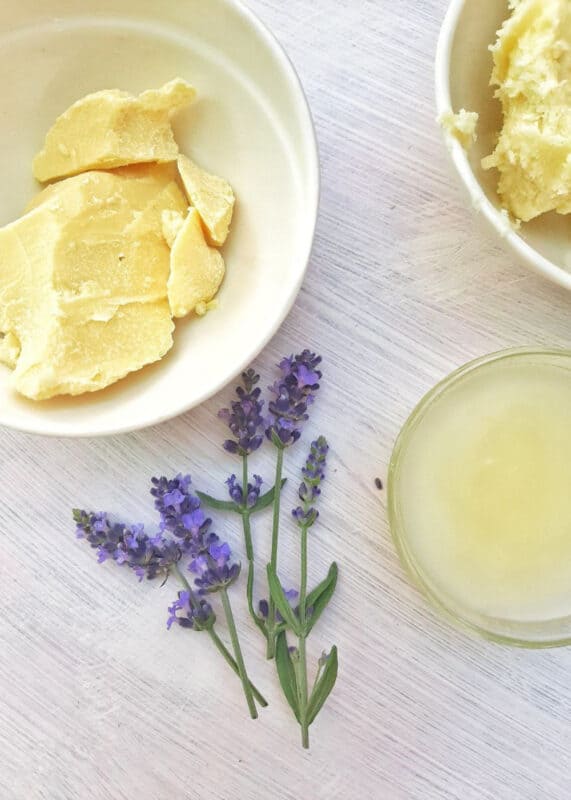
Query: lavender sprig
point(246, 423)
point(181, 516)
point(294, 392)
point(292, 662)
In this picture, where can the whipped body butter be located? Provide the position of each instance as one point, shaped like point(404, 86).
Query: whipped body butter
point(479, 498)
point(532, 76)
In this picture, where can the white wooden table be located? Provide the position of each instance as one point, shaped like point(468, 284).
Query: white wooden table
point(98, 700)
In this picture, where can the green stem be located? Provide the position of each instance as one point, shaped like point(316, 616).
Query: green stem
point(222, 649)
point(274, 557)
point(247, 528)
point(238, 653)
point(183, 580)
point(302, 649)
point(220, 646)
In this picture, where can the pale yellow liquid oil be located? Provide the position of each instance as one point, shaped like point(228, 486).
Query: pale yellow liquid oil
point(485, 491)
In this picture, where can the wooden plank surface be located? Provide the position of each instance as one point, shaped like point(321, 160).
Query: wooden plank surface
point(99, 701)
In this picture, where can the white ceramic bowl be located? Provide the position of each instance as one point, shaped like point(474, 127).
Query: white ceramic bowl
point(250, 124)
point(463, 69)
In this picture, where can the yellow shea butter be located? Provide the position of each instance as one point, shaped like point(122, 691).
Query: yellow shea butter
point(212, 197)
point(87, 263)
point(197, 270)
point(172, 223)
point(112, 128)
point(532, 73)
point(84, 354)
point(9, 350)
point(462, 126)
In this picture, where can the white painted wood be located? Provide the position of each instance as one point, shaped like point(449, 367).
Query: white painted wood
point(98, 700)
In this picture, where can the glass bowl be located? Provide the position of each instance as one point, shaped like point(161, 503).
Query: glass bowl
point(531, 630)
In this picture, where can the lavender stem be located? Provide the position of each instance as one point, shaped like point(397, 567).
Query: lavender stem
point(302, 649)
point(238, 653)
point(271, 648)
point(219, 644)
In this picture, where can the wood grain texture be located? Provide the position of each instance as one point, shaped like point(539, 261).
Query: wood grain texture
point(99, 701)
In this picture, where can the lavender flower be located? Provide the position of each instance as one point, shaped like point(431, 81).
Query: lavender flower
point(182, 516)
point(236, 492)
point(213, 568)
point(310, 489)
point(147, 556)
point(264, 606)
point(195, 613)
point(244, 417)
point(181, 513)
point(293, 393)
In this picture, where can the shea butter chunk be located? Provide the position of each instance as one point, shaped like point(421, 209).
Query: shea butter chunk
point(113, 128)
point(110, 244)
point(212, 197)
point(197, 270)
point(83, 282)
point(78, 355)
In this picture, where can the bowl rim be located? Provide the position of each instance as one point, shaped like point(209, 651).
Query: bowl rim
point(437, 597)
point(498, 221)
point(310, 146)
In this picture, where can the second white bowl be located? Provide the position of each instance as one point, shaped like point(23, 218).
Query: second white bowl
point(463, 70)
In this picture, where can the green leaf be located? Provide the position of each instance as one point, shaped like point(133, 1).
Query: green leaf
point(266, 499)
point(323, 686)
point(286, 673)
point(228, 505)
point(318, 599)
point(281, 601)
point(219, 505)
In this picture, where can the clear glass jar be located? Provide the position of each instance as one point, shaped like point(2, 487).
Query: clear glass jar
point(465, 396)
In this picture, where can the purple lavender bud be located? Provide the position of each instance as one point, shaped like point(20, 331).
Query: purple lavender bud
point(254, 491)
point(244, 417)
point(213, 569)
point(190, 613)
point(235, 490)
point(293, 393)
point(305, 518)
point(264, 607)
point(237, 495)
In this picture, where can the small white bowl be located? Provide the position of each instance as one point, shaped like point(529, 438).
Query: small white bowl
point(463, 70)
point(251, 124)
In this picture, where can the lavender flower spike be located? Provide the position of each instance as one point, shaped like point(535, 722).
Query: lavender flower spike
point(310, 489)
point(294, 392)
point(181, 514)
point(148, 556)
point(244, 417)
